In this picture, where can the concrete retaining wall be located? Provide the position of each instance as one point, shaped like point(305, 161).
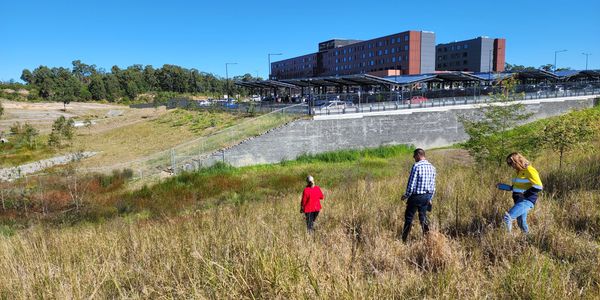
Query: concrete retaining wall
point(13, 173)
point(424, 127)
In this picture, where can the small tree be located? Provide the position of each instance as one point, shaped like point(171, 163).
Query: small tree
point(1, 110)
point(62, 128)
point(567, 133)
point(24, 134)
point(488, 129)
point(29, 135)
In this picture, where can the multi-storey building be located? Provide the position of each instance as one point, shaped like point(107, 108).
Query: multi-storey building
point(409, 52)
point(480, 54)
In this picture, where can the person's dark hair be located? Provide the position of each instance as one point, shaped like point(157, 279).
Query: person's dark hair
point(420, 152)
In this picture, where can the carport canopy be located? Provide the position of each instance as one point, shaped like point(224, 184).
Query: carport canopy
point(264, 84)
point(344, 80)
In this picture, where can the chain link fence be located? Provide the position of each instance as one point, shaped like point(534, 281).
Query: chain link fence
point(205, 150)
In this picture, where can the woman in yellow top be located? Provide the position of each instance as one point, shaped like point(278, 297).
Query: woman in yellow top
point(525, 188)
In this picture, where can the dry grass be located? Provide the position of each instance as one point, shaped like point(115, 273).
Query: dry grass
point(260, 249)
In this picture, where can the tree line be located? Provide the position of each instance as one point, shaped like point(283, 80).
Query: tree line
point(85, 82)
point(546, 67)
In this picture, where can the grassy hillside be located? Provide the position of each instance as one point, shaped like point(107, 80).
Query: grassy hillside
point(236, 233)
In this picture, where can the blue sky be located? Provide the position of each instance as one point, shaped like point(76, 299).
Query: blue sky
point(206, 34)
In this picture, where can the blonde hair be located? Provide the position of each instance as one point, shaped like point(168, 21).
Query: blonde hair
point(517, 160)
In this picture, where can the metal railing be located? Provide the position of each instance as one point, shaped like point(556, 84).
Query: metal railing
point(325, 104)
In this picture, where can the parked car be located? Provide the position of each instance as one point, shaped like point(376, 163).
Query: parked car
point(337, 104)
point(416, 100)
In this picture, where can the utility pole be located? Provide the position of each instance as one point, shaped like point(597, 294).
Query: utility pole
point(227, 79)
point(586, 59)
point(556, 52)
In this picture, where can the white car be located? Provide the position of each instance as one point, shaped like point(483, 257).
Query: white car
point(337, 104)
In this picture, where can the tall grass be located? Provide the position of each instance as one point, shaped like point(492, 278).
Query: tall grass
point(236, 233)
point(260, 249)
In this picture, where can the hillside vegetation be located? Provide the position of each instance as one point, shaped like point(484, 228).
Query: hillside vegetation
point(236, 233)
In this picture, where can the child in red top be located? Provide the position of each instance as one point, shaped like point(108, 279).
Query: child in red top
point(311, 202)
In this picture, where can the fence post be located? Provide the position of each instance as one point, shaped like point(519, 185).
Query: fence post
point(173, 161)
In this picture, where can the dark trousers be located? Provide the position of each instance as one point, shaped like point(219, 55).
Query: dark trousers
point(416, 203)
point(310, 219)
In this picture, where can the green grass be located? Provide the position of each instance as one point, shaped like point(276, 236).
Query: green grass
point(13, 155)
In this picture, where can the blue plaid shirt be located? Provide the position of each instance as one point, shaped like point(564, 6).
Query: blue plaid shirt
point(421, 179)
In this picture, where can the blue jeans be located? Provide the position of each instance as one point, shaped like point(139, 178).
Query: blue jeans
point(519, 212)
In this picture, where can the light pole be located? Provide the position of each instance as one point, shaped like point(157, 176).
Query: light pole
point(269, 55)
point(556, 52)
point(586, 59)
point(227, 78)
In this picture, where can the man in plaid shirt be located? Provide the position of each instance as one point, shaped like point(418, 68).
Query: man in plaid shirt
point(419, 191)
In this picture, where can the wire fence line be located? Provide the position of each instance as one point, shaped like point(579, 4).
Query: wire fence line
point(196, 153)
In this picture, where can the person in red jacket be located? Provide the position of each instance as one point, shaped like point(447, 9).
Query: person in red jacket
point(311, 202)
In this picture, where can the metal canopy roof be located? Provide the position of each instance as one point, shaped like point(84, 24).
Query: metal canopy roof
point(535, 74)
point(366, 79)
point(492, 76)
point(264, 84)
point(344, 80)
point(575, 74)
point(412, 79)
point(456, 76)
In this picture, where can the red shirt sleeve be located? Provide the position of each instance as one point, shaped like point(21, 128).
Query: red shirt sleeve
point(304, 198)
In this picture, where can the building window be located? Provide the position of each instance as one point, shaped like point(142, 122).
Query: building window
point(439, 58)
point(464, 54)
point(392, 40)
point(385, 51)
point(393, 50)
point(398, 40)
point(405, 47)
point(399, 58)
point(379, 53)
point(393, 59)
point(406, 37)
point(466, 46)
point(372, 63)
point(464, 62)
point(458, 47)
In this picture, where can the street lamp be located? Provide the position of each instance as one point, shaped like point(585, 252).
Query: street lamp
point(269, 55)
point(586, 59)
point(556, 52)
point(227, 78)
